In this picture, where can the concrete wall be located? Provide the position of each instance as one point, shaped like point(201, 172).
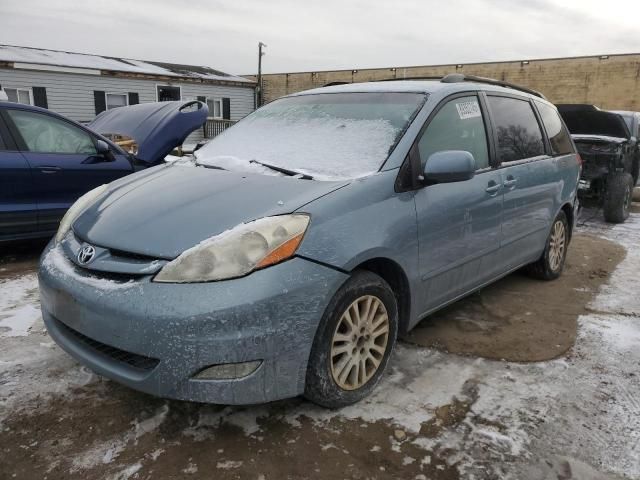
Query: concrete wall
point(610, 83)
point(71, 94)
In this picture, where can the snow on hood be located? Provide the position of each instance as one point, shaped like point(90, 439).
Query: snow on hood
point(157, 127)
point(598, 138)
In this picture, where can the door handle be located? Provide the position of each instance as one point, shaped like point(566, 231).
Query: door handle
point(510, 182)
point(493, 188)
point(49, 169)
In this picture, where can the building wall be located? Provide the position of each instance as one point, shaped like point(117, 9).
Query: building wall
point(72, 94)
point(610, 83)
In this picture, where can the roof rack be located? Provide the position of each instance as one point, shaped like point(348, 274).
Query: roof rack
point(460, 77)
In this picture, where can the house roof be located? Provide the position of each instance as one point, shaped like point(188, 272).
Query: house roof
point(31, 58)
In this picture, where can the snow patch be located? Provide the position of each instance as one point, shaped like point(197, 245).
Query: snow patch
point(19, 309)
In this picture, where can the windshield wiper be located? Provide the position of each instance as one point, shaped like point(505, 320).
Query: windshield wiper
point(286, 171)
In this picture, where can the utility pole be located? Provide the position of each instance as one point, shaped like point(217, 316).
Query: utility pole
point(259, 87)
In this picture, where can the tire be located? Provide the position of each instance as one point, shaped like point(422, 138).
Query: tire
point(617, 197)
point(338, 345)
point(550, 265)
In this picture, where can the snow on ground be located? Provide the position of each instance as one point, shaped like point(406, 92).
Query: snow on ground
point(524, 420)
point(18, 312)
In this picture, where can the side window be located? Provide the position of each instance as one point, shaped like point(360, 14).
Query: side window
point(558, 135)
point(46, 134)
point(519, 134)
point(457, 126)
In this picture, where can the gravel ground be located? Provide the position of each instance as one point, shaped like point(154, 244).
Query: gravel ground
point(435, 415)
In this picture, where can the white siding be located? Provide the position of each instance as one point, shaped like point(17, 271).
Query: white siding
point(72, 94)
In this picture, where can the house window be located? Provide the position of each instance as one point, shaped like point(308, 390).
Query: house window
point(168, 93)
point(19, 95)
point(215, 107)
point(115, 100)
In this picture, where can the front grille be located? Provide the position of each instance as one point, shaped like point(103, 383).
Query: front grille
point(131, 256)
point(139, 362)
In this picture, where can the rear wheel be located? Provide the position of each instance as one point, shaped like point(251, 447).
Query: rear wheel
point(550, 265)
point(353, 342)
point(617, 197)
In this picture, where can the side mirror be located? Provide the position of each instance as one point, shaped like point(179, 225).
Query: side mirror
point(103, 149)
point(449, 166)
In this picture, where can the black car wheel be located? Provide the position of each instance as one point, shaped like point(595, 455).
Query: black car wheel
point(617, 197)
point(353, 342)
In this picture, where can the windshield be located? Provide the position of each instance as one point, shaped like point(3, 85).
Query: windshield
point(329, 136)
point(628, 119)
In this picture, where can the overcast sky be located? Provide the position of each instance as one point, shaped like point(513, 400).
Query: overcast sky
point(324, 34)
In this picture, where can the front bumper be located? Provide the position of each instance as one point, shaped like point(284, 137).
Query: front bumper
point(155, 337)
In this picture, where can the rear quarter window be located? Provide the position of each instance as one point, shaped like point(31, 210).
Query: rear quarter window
point(519, 134)
point(557, 132)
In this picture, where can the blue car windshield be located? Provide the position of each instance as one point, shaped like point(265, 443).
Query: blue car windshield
point(328, 136)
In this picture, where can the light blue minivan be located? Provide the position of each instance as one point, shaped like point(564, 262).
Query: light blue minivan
point(289, 254)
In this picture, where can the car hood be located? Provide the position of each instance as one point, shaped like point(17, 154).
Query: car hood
point(590, 120)
point(157, 127)
point(161, 213)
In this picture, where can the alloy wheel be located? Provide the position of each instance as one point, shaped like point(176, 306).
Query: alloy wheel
point(557, 245)
point(359, 342)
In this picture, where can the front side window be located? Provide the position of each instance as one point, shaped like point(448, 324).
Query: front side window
point(19, 95)
point(115, 100)
point(328, 136)
point(457, 126)
point(215, 107)
point(519, 134)
point(46, 134)
point(558, 135)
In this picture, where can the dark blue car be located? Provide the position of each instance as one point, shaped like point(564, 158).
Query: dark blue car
point(48, 161)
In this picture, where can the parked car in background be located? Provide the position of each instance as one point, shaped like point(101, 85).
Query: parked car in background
point(48, 161)
point(610, 156)
point(287, 257)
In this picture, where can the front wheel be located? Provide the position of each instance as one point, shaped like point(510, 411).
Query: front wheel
point(550, 265)
point(353, 342)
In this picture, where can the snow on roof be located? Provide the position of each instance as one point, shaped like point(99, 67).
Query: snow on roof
point(16, 54)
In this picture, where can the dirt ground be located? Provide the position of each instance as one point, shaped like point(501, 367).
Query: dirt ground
point(448, 412)
point(521, 319)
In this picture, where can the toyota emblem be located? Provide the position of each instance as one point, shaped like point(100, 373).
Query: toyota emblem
point(86, 254)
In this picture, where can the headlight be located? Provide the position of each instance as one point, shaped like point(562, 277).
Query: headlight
point(76, 209)
point(238, 251)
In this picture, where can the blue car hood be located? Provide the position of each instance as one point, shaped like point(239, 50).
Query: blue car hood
point(157, 127)
point(161, 212)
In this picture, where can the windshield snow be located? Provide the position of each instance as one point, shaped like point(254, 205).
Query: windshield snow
point(329, 136)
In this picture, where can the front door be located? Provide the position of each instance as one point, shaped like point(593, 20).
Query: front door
point(63, 160)
point(18, 206)
point(458, 223)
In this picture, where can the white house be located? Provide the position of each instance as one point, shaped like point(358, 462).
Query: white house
point(80, 86)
